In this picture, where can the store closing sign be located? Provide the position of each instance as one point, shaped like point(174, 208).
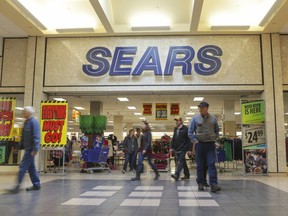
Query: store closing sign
point(54, 123)
point(208, 57)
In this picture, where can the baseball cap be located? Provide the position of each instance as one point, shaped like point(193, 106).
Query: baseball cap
point(178, 119)
point(203, 104)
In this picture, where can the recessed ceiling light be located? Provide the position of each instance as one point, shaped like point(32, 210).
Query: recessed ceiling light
point(59, 99)
point(142, 118)
point(131, 107)
point(190, 113)
point(188, 117)
point(237, 113)
point(198, 99)
point(19, 108)
point(137, 113)
point(123, 99)
point(286, 124)
point(20, 119)
point(193, 107)
point(79, 108)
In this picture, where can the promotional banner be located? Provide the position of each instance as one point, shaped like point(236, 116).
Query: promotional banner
point(7, 114)
point(54, 116)
point(76, 116)
point(255, 159)
point(253, 135)
point(174, 109)
point(253, 112)
point(161, 111)
point(2, 154)
point(147, 109)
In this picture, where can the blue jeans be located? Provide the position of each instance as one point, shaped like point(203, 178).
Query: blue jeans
point(180, 156)
point(140, 163)
point(205, 152)
point(129, 157)
point(28, 163)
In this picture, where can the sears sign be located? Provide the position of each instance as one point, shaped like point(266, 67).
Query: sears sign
point(208, 62)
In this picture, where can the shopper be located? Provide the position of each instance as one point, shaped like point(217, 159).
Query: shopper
point(30, 142)
point(145, 151)
point(180, 145)
point(138, 136)
point(203, 132)
point(130, 147)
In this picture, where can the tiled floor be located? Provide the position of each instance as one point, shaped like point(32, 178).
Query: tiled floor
point(114, 194)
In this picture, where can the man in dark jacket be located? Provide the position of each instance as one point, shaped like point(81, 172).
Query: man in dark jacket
point(145, 151)
point(180, 144)
point(130, 147)
point(30, 142)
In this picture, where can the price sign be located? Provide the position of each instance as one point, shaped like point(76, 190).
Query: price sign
point(161, 111)
point(253, 135)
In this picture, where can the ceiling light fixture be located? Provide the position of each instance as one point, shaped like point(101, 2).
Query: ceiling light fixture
point(193, 107)
point(198, 99)
point(230, 27)
point(123, 99)
point(19, 108)
point(190, 113)
point(237, 113)
point(79, 108)
point(131, 107)
point(59, 99)
point(142, 118)
point(137, 113)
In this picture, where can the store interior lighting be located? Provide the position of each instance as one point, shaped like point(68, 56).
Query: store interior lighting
point(59, 99)
point(198, 99)
point(131, 107)
point(137, 114)
point(122, 99)
point(79, 108)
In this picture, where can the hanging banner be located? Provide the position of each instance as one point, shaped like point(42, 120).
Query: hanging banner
point(7, 114)
point(147, 109)
point(174, 109)
point(253, 135)
point(161, 111)
point(2, 154)
point(76, 116)
point(54, 116)
point(253, 112)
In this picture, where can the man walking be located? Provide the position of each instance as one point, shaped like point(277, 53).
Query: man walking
point(203, 132)
point(180, 145)
point(30, 142)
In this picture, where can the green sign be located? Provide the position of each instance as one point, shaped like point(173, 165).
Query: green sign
point(253, 112)
point(2, 154)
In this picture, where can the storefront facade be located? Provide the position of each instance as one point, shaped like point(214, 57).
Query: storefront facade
point(38, 67)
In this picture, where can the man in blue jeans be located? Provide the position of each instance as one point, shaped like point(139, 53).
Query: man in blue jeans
point(203, 132)
point(30, 142)
point(180, 144)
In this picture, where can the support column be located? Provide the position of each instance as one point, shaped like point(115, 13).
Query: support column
point(129, 125)
point(229, 123)
point(96, 107)
point(118, 127)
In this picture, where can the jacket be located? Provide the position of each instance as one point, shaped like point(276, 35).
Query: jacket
point(146, 142)
point(30, 140)
point(181, 142)
point(130, 144)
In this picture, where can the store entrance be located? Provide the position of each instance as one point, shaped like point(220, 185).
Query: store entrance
point(126, 112)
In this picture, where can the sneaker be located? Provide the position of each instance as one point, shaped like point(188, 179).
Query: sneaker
point(205, 184)
point(33, 188)
point(185, 177)
point(157, 176)
point(135, 179)
point(215, 188)
point(175, 177)
point(123, 171)
point(200, 187)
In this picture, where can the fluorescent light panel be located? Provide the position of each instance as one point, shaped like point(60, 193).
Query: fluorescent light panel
point(193, 107)
point(123, 99)
point(137, 113)
point(59, 99)
point(131, 107)
point(198, 99)
point(237, 113)
point(79, 108)
point(19, 108)
point(190, 113)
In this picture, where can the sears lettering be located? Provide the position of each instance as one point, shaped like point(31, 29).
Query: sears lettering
point(208, 62)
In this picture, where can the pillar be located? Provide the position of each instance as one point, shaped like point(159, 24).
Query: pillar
point(96, 107)
point(229, 123)
point(118, 127)
point(129, 125)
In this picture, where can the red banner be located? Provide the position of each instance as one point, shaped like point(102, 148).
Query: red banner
point(174, 109)
point(147, 109)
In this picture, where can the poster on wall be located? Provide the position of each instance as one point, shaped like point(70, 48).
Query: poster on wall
point(174, 109)
point(75, 116)
point(2, 154)
point(54, 116)
point(161, 111)
point(147, 109)
point(254, 138)
point(7, 114)
point(253, 112)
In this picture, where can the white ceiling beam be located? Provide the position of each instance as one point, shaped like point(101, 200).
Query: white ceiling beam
point(196, 13)
point(102, 15)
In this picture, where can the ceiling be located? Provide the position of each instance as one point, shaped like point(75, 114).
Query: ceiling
point(22, 18)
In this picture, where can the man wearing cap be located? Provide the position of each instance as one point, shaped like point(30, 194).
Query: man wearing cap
point(30, 142)
point(180, 144)
point(203, 132)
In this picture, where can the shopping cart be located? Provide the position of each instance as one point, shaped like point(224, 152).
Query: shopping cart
point(95, 159)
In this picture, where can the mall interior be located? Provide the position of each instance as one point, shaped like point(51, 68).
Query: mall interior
point(112, 64)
